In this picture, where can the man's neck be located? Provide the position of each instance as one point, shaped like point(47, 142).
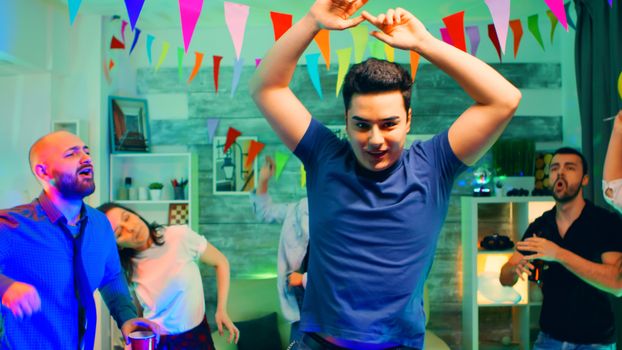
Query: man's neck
point(70, 208)
point(569, 211)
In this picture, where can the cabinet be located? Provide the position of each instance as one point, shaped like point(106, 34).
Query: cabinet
point(480, 269)
point(146, 168)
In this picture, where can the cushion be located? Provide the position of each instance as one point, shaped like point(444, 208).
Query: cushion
point(259, 334)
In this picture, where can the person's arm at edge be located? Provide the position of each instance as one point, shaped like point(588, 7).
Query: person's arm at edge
point(613, 160)
point(269, 87)
point(509, 273)
point(606, 276)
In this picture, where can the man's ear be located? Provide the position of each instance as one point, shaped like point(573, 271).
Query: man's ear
point(41, 171)
point(409, 118)
point(585, 180)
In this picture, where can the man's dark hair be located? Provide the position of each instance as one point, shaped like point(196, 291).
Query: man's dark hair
point(372, 76)
point(570, 150)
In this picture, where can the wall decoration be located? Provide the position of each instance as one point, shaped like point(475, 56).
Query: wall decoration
point(178, 214)
point(232, 174)
point(129, 124)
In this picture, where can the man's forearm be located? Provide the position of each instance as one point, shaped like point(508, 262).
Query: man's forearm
point(605, 277)
point(508, 276)
point(117, 297)
point(613, 160)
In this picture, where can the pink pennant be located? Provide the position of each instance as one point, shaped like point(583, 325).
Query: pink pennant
point(217, 60)
point(236, 16)
point(557, 7)
point(254, 148)
point(123, 25)
point(500, 12)
point(455, 28)
point(232, 135)
point(189, 11)
point(257, 62)
point(445, 36)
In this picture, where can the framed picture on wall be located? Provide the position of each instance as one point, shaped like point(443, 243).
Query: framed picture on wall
point(232, 172)
point(129, 124)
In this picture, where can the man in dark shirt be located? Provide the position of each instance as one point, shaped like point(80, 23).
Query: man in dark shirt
point(581, 246)
point(55, 252)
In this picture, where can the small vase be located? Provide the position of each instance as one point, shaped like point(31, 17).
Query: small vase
point(155, 194)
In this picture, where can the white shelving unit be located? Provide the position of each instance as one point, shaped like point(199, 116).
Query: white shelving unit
point(145, 168)
point(477, 262)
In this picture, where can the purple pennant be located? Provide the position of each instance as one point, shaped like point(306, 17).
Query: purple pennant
point(212, 124)
point(237, 72)
point(473, 33)
point(133, 10)
point(136, 36)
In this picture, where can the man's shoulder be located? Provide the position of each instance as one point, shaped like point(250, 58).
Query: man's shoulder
point(601, 215)
point(11, 217)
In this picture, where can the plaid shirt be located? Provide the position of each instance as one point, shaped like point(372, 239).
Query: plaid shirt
point(37, 248)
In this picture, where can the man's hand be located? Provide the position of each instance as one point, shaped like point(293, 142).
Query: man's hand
point(335, 14)
point(295, 279)
point(524, 266)
point(222, 319)
point(398, 28)
point(139, 324)
point(22, 299)
point(543, 249)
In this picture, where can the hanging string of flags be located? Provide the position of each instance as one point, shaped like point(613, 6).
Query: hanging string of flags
point(236, 15)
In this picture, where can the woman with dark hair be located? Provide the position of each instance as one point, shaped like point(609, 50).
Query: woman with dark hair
point(161, 265)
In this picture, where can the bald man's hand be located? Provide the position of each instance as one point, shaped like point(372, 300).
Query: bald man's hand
point(22, 299)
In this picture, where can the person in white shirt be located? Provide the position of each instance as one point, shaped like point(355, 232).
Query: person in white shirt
point(162, 265)
point(612, 172)
point(293, 244)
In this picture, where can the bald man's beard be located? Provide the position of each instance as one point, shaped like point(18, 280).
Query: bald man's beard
point(71, 186)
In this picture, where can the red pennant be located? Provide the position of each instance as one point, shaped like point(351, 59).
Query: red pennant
point(455, 27)
point(116, 43)
point(281, 23)
point(517, 29)
point(253, 150)
point(110, 64)
point(492, 34)
point(217, 60)
point(232, 134)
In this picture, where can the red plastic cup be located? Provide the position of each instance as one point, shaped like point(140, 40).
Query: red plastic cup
point(142, 340)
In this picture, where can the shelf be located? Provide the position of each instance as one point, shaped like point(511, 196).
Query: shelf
point(153, 202)
point(493, 252)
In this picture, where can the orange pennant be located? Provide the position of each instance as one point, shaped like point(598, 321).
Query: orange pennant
point(110, 64)
point(254, 148)
point(414, 64)
point(232, 135)
point(517, 29)
point(198, 59)
point(322, 39)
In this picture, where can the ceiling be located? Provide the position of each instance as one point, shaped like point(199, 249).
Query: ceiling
point(164, 14)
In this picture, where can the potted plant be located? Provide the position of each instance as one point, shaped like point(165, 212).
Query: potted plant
point(155, 190)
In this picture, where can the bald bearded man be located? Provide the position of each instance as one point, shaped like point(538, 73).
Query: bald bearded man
point(55, 252)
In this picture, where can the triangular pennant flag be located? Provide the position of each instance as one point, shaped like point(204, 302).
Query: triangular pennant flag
point(569, 18)
point(162, 55)
point(492, 34)
point(235, 17)
point(180, 61)
point(133, 10)
point(280, 159)
point(312, 68)
point(534, 29)
point(376, 49)
point(414, 64)
point(445, 36)
point(254, 148)
point(557, 8)
point(149, 45)
point(212, 125)
point(455, 28)
point(500, 12)
point(74, 6)
point(611, 3)
point(237, 72)
point(217, 60)
point(116, 44)
point(303, 176)
point(389, 51)
point(553, 21)
point(257, 62)
point(123, 26)
point(136, 36)
point(189, 12)
point(473, 33)
point(322, 39)
point(232, 135)
point(281, 22)
point(107, 73)
point(359, 38)
point(110, 64)
point(517, 30)
point(198, 59)
point(343, 57)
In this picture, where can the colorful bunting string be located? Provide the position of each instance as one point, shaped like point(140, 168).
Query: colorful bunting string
point(455, 29)
point(180, 61)
point(165, 46)
point(133, 10)
point(136, 36)
point(148, 46)
point(414, 64)
point(280, 159)
point(322, 39)
point(312, 68)
point(189, 12)
point(74, 6)
point(473, 33)
point(198, 59)
point(517, 30)
point(236, 16)
point(254, 148)
point(281, 22)
point(492, 34)
point(557, 9)
point(238, 65)
point(500, 12)
point(217, 60)
point(553, 21)
point(232, 135)
point(534, 29)
point(343, 57)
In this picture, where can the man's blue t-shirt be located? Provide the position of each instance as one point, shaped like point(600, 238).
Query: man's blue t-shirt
point(372, 237)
